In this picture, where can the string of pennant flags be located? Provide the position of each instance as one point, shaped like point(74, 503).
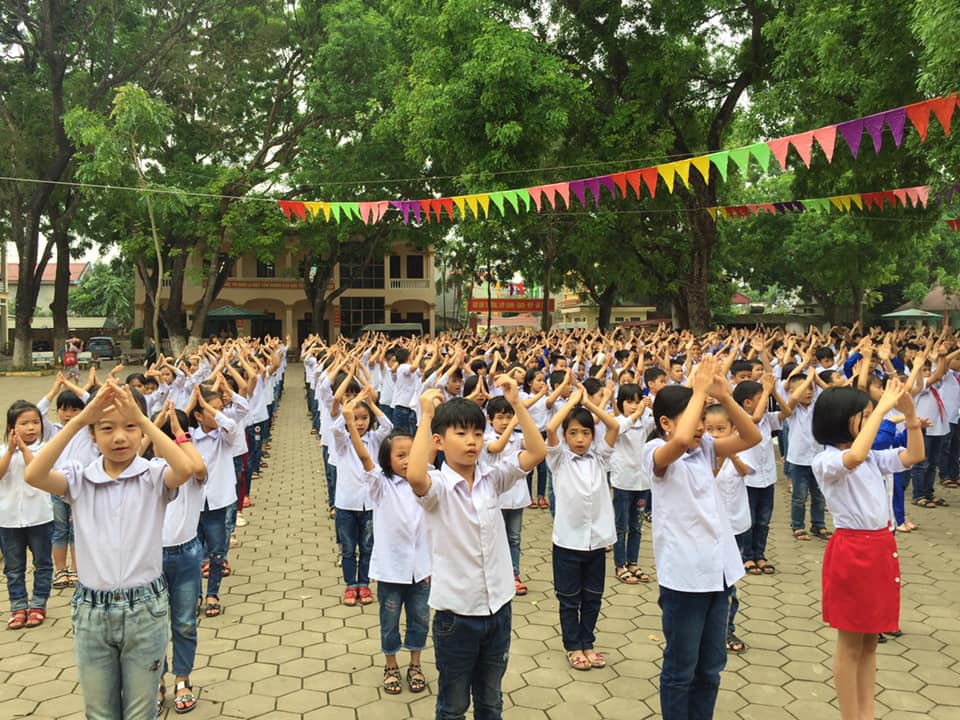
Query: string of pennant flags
point(649, 179)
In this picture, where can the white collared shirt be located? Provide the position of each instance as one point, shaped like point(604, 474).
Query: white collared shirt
point(538, 411)
point(405, 387)
point(733, 490)
point(217, 450)
point(929, 408)
point(351, 488)
point(472, 569)
point(950, 395)
point(401, 553)
point(182, 516)
point(118, 523)
point(761, 456)
point(626, 464)
point(518, 497)
point(23, 505)
point(802, 448)
point(693, 543)
point(857, 498)
point(584, 519)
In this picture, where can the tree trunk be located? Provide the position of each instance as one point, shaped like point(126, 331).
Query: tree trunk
point(703, 238)
point(605, 306)
point(216, 279)
point(61, 290)
point(489, 300)
point(545, 319)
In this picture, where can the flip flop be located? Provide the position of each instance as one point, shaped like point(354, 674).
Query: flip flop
point(596, 660)
point(578, 662)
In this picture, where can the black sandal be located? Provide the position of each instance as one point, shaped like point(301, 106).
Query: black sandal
point(61, 579)
point(765, 567)
point(213, 609)
point(186, 702)
point(162, 691)
point(391, 680)
point(750, 567)
point(735, 644)
point(415, 679)
point(821, 533)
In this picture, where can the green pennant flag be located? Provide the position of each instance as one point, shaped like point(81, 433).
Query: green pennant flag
point(720, 161)
point(497, 199)
point(511, 196)
point(352, 210)
point(524, 195)
point(818, 205)
point(761, 151)
point(336, 208)
point(741, 156)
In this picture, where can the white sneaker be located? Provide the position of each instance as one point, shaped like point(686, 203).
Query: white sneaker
point(241, 520)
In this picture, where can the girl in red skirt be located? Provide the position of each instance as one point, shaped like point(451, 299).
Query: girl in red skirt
point(861, 573)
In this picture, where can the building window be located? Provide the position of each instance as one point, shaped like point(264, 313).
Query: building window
point(355, 312)
point(265, 270)
point(415, 267)
point(371, 278)
point(394, 266)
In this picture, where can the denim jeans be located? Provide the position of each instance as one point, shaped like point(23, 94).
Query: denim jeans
point(14, 543)
point(804, 483)
point(355, 532)
point(626, 512)
point(694, 628)
point(761, 509)
point(578, 577)
point(181, 568)
point(734, 603)
point(393, 598)
point(62, 523)
point(212, 533)
point(119, 641)
point(513, 521)
point(899, 488)
point(388, 411)
point(330, 472)
point(924, 473)
point(471, 654)
point(404, 419)
point(950, 454)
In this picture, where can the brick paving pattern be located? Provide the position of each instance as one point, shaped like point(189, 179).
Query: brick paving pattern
point(287, 649)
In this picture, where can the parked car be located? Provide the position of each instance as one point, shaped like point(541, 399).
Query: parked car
point(103, 347)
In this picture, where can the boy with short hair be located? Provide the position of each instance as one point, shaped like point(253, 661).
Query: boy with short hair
point(472, 583)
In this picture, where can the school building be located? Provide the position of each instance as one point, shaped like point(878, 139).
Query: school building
point(397, 288)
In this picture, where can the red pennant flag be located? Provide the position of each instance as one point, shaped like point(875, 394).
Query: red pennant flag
point(901, 195)
point(620, 180)
point(943, 109)
point(536, 194)
point(436, 207)
point(954, 224)
point(650, 176)
point(923, 194)
point(780, 147)
point(803, 144)
point(425, 206)
point(447, 205)
point(826, 137)
point(292, 206)
point(919, 114)
point(869, 199)
point(889, 197)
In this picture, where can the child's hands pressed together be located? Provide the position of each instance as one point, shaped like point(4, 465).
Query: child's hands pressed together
point(511, 391)
point(429, 401)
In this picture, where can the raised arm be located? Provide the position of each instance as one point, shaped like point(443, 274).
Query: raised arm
point(678, 442)
point(613, 427)
point(422, 449)
point(557, 420)
point(747, 435)
point(535, 450)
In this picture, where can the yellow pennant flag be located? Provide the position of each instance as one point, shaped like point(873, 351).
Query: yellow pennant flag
point(484, 203)
point(472, 204)
point(667, 172)
point(683, 170)
point(712, 211)
point(857, 200)
point(702, 164)
point(459, 202)
point(837, 202)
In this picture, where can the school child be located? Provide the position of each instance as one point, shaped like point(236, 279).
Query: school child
point(500, 440)
point(472, 581)
point(801, 449)
point(629, 481)
point(731, 473)
point(215, 436)
point(534, 393)
point(655, 379)
point(406, 372)
point(354, 510)
point(584, 524)
point(120, 607)
point(693, 543)
point(182, 555)
point(401, 557)
point(753, 397)
point(930, 406)
point(949, 460)
point(861, 572)
point(26, 520)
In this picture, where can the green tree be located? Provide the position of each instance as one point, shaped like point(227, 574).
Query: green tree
point(107, 290)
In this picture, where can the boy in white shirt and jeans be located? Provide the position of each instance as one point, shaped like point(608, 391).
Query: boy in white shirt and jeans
point(472, 582)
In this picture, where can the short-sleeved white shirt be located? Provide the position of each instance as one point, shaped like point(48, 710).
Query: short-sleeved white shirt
point(693, 543)
point(626, 463)
point(519, 497)
point(183, 514)
point(584, 518)
point(857, 498)
point(472, 569)
point(802, 448)
point(217, 450)
point(405, 386)
point(733, 489)
point(761, 456)
point(929, 408)
point(538, 411)
point(351, 487)
point(118, 523)
point(401, 553)
point(22, 505)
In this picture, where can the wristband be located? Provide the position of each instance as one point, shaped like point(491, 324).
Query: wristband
point(185, 438)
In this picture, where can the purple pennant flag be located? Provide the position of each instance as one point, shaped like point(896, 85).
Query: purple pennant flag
point(780, 207)
point(896, 120)
point(402, 207)
point(948, 194)
point(874, 125)
point(798, 206)
point(852, 131)
point(607, 182)
point(579, 189)
point(593, 185)
point(415, 206)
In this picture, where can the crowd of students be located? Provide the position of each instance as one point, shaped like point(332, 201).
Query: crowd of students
point(434, 447)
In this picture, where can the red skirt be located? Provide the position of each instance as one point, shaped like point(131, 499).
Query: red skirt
point(861, 581)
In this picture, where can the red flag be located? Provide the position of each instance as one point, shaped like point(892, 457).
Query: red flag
point(780, 147)
point(650, 176)
point(919, 114)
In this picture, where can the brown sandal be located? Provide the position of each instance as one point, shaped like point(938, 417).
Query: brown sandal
point(415, 679)
point(392, 685)
point(578, 662)
point(639, 574)
point(626, 577)
point(17, 620)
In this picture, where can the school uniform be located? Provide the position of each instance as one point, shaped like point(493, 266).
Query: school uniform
point(541, 416)
point(404, 397)
point(949, 460)
point(760, 488)
point(801, 451)
point(512, 502)
point(861, 566)
point(630, 482)
point(930, 405)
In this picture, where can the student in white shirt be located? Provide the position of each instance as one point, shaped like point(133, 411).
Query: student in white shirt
point(584, 526)
point(801, 449)
point(930, 406)
point(472, 581)
point(26, 520)
point(693, 543)
point(861, 572)
point(120, 608)
point(534, 393)
point(401, 558)
point(629, 481)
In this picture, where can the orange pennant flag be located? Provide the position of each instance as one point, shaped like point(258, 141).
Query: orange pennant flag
point(536, 194)
point(649, 176)
point(780, 147)
point(826, 138)
point(919, 114)
point(943, 109)
point(803, 144)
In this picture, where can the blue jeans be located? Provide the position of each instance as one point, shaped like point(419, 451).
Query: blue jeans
point(404, 419)
point(62, 523)
point(734, 607)
point(578, 577)
point(393, 597)
point(804, 483)
point(761, 509)
point(119, 640)
point(694, 628)
point(899, 486)
point(14, 543)
point(471, 654)
point(626, 512)
point(513, 521)
point(212, 533)
point(924, 473)
point(950, 454)
point(388, 411)
point(181, 568)
point(355, 531)
point(330, 472)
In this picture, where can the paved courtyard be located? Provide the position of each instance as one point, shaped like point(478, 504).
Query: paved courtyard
point(287, 649)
